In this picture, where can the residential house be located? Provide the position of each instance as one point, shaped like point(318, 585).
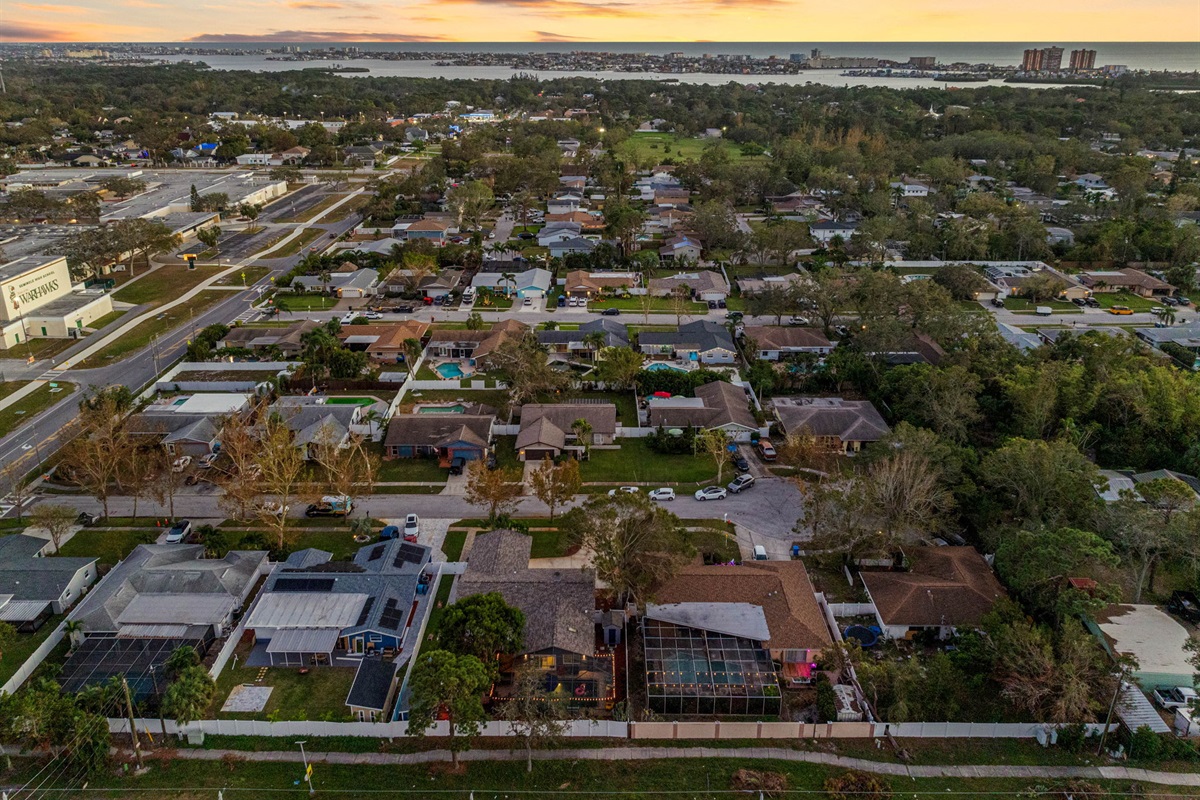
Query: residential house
point(681, 248)
point(718, 405)
point(1056, 235)
point(825, 231)
point(671, 196)
point(546, 429)
point(190, 425)
point(1187, 481)
point(1186, 335)
point(1153, 640)
point(400, 281)
point(566, 247)
point(559, 606)
point(1091, 182)
point(473, 345)
point(534, 282)
point(581, 283)
point(555, 232)
point(565, 203)
point(592, 221)
point(704, 341)
point(573, 343)
point(445, 436)
point(843, 426)
point(33, 588)
point(1010, 277)
point(159, 598)
point(1133, 281)
point(704, 285)
point(919, 348)
point(383, 342)
point(771, 342)
point(288, 341)
point(315, 423)
point(753, 286)
point(352, 285)
point(944, 589)
point(797, 634)
point(427, 229)
point(797, 204)
point(907, 187)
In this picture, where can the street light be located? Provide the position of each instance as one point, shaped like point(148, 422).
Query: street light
point(307, 768)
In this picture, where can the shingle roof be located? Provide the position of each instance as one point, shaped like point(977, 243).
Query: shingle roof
point(702, 281)
point(724, 404)
point(372, 684)
point(438, 430)
point(849, 420)
point(772, 337)
point(549, 423)
point(781, 588)
point(703, 335)
point(944, 586)
point(558, 604)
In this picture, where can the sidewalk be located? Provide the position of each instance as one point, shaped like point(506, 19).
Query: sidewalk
point(966, 771)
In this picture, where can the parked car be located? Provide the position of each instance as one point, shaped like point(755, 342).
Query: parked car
point(1092, 302)
point(766, 450)
point(181, 463)
point(760, 553)
point(740, 484)
point(1185, 605)
point(623, 490)
point(712, 305)
point(562, 300)
point(85, 519)
point(740, 463)
point(373, 315)
point(207, 460)
point(721, 304)
point(998, 302)
point(797, 320)
point(734, 316)
point(1170, 698)
point(1122, 311)
point(1184, 301)
point(525, 236)
point(389, 532)
point(711, 493)
point(611, 312)
point(412, 527)
point(348, 317)
point(179, 531)
point(402, 309)
point(528, 301)
point(330, 507)
point(841, 330)
point(662, 494)
point(458, 465)
point(272, 508)
point(1079, 301)
point(1171, 301)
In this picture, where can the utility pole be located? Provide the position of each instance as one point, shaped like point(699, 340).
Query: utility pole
point(137, 745)
point(307, 768)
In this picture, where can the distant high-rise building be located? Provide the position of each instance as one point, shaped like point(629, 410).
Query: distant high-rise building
point(922, 62)
point(1047, 59)
point(1083, 60)
point(1052, 59)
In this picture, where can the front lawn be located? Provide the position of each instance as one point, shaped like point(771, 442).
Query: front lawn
point(661, 305)
point(107, 546)
point(1133, 301)
point(402, 470)
point(1024, 304)
point(453, 544)
point(635, 462)
point(289, 301)
point(318, 695)
point(165, 284)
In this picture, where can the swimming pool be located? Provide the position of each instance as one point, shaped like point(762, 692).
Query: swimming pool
point(662, 366)
point(450, 371)
point(456, 409)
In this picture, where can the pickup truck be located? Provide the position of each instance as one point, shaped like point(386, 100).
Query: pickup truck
point(1169, 698)
point(330, 507)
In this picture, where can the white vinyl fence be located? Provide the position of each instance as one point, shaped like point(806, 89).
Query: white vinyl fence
point(580, 728)
point(35, 659)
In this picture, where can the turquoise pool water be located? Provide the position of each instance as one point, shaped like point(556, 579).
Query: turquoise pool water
point(661, 366)
point(449, 371)
point(441, 409)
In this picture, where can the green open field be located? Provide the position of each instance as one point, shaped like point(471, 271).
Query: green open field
point(140, 336)
point(165, 284)
point(661, 146)
point(635, 462)
point(295, 246)
point(252, 276)
point(289, 301)
point(41, 398)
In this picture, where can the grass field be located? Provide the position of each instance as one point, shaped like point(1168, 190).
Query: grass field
point(140, 336)
point(636, 462)
point(289, 301)
point(312, 211)
point(453, 545)
point(660, 146)
point(107, 546)
point(412, 469)
point(1107, 300)
point(295, 246)
point(165, 284)
point(41, 398)
point(253, 276)
point(657, 305)
point(107, 319)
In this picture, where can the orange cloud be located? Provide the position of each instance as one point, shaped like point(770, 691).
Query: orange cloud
point(316, 36)
point(19, 32)
point(53, 9)
point(547, 36)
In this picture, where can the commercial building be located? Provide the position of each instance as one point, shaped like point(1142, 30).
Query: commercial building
point(1083, 60)
point(1046, 59)
point(39, 300)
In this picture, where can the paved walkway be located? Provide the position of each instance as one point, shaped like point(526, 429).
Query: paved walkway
point(1117, 773)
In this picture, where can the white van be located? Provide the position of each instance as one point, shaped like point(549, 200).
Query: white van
point(760, 553)
point(1044, 311)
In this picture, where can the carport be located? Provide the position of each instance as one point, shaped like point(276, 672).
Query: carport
point(302, 647)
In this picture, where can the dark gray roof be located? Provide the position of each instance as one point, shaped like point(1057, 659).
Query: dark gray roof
point(724, 404)
point(558, 604)
point(438, 430)
point(20, 546)
point(616, 334)
point(27, 577)
point(702, 335)
point(849, 420)
point(372, 683)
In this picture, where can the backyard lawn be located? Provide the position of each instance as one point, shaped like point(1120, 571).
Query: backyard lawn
point(318, 695)
point(635, 462)
point(23, 645)
point(41, 398)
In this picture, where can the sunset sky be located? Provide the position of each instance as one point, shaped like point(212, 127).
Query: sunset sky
point(599, 20)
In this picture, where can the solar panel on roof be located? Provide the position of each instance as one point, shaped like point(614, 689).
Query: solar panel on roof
point(304, 585)
point(377, 552)
point(366, 612)
point(409, 554)
point(391, 617)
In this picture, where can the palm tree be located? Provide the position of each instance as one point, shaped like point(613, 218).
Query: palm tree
point(594, 341)
point(325, 277)
point(74, 630)
point(1168, 316)
point(509, 278)
point(583, 432)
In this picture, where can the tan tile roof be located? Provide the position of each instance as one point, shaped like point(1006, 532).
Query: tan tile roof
point(944, 586)
point(781, 588)
point(773, 337)
point(391, 336)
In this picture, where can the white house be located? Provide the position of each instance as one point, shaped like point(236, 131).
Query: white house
point(826, 231)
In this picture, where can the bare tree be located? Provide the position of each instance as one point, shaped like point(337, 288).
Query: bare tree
point(166, 481)
point(555, 484)
point(283, 466)
point(497, 490)
point(537, 719)
point(98, 454)
point(56, 521)
point(241, 482)
point(12, 481)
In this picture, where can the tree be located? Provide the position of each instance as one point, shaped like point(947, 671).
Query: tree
point(283, 467)
point(497, 490)
point(443, 683)
point(681, 300)
point(521, 361)
point(539, 721)
point(56, 521)
point(1041, 481)
point(1042, 286)
point(350, 466)
point(961, 280)
point(241, 483)
point(191, 690)
point(1036, 564)
point(13, 483)
point(8, 635)
point(470, 201)
point(285, 173)
point(619, 366)
point(583, 434)
point(98, 453)
point(483, 626)
point(1146, 533)
point(250, 211)
point(165, 481)
point(772, 301)
point(209, 236)
point(714, 443)
point(122, 186)
point(556, 484)
point(593, 341)
point(635, 544)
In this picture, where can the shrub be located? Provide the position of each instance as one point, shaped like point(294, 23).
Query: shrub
point(826, 700)
point(855, 785)
point(752, 780)
point(1145, 744)
point(1071, 737)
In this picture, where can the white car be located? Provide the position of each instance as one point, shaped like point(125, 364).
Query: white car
point(623, 490)
point(373, 315)
point(1169, 698)
point(412, 527)
point(662, 494)
point(528, 301)
point(207, 460)
point(272, 508)
point(797, 320)
point(711, 493)
point(181, 463)
point(348, 318)
point(179, 531)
